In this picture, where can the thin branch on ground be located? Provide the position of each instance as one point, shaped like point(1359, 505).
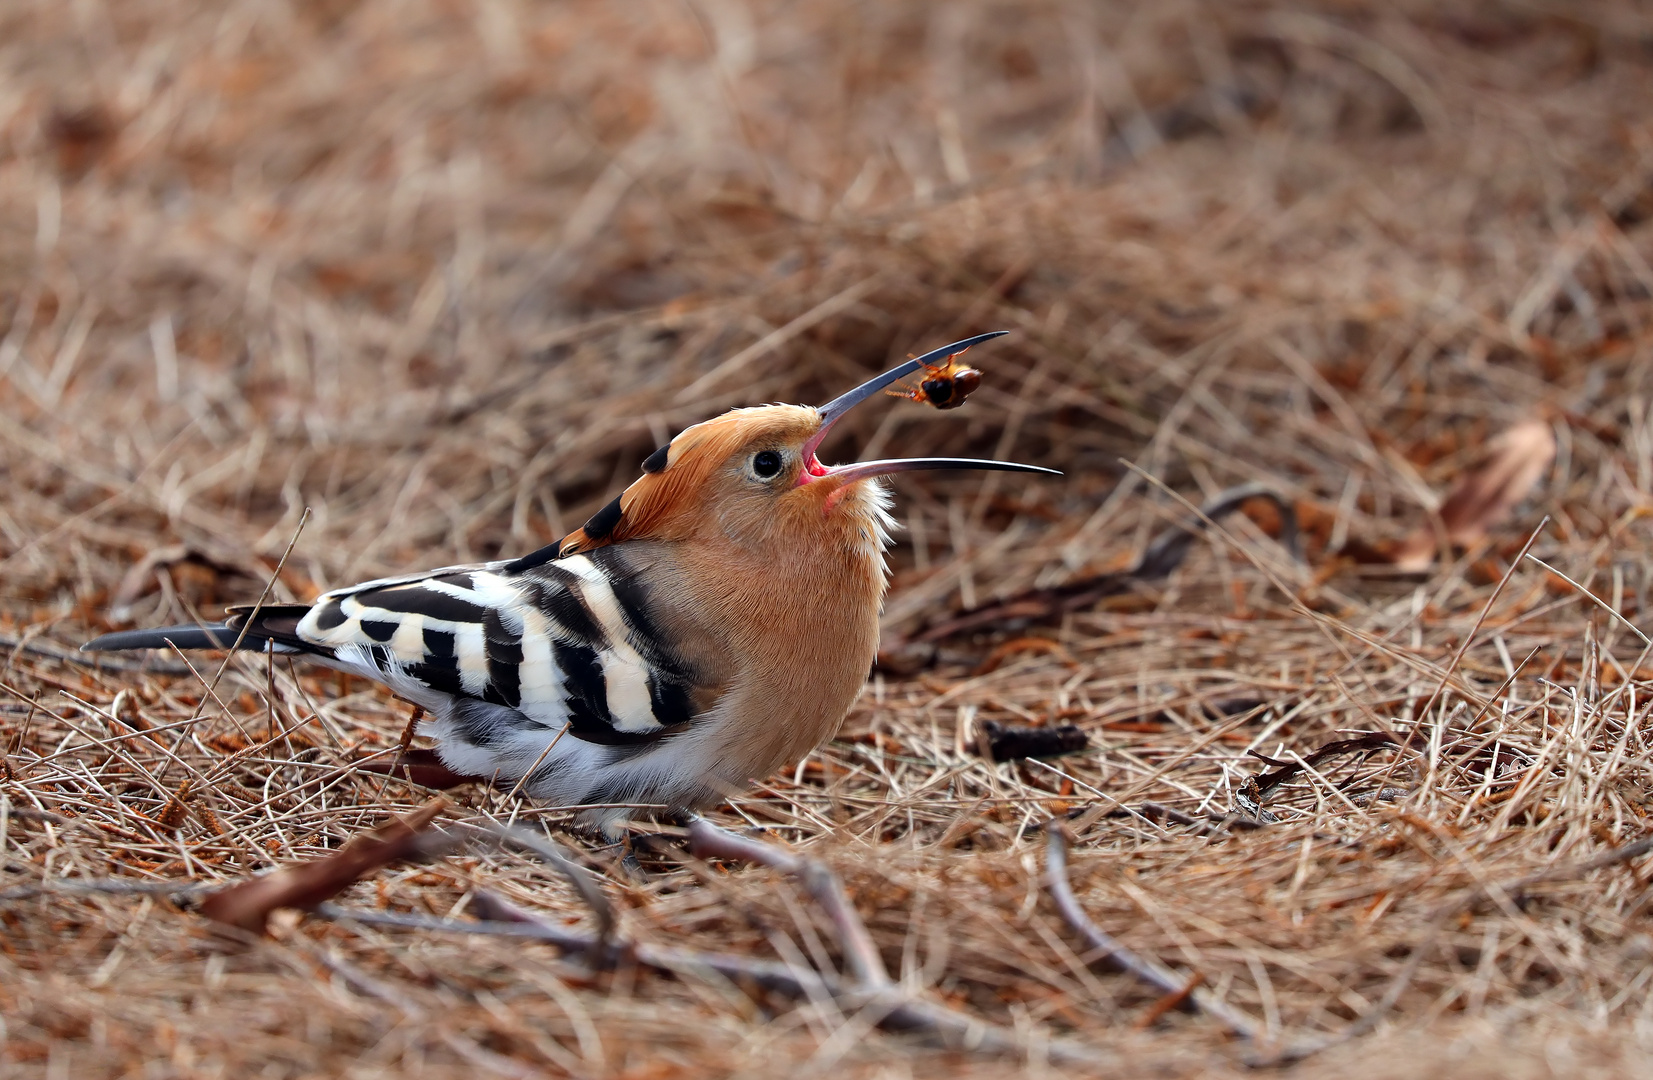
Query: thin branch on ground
point(949, 1029)
point(707, 841)
point(590, 891)
point(1143, 968)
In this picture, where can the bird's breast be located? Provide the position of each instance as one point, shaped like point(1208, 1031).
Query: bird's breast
point(802, 630)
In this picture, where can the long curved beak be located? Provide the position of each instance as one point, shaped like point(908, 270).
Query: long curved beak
point(860, 470)
point(834, 410)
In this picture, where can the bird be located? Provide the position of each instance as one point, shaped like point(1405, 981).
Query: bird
point(715, 621)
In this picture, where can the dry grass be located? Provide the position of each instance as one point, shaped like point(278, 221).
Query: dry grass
point(445, 271)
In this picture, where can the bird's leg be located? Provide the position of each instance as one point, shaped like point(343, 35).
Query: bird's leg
point(628, 845)
point(608, 844)
point(400, 760)
point(422, 767)
point(628, 861)
point(616, 854)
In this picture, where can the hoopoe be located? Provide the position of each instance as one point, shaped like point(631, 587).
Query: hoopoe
point(712, 623)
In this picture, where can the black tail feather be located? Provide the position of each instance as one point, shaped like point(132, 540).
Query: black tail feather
point(275, 625)
point(215, 636)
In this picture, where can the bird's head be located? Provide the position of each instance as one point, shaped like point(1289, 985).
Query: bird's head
point(751, 476)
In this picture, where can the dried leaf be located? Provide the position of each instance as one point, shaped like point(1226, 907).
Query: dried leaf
point(248, 904)
point(1516, 460)
point(1286, 770)
point(1248, 800)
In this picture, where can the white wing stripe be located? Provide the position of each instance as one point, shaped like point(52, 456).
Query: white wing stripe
point(625, 673)
point(471, 650)
point(408, 643)
point(539, 681)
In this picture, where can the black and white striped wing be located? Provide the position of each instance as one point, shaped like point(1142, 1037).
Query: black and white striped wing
point(569, 642)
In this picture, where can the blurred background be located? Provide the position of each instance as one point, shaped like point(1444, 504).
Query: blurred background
point(444, 271)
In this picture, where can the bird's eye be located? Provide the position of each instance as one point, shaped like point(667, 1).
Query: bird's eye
point(766, 463)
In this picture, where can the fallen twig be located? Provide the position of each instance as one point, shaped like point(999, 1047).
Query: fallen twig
point(1567, 871)
point(311, 886)
point(1184, 988)
point(1155, 813)
point(552, 852)
point(1169, 1002)
point(953, 1030)
point(707, 841)
point(874, 987)
point(248, 904)
point(108, 887)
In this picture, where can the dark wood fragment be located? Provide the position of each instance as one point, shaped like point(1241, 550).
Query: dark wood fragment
point(1013, 742)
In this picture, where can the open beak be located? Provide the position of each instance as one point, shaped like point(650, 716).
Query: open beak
point(834, 410)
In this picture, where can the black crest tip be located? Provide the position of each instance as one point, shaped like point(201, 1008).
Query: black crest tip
point(603, 521)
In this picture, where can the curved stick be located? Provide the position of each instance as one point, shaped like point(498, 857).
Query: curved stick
point(707, 841)
point(1148, 970)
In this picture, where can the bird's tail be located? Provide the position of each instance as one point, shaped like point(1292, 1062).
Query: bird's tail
point(214, 636)
point(273, 627)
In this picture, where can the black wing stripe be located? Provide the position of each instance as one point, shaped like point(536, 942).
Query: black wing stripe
point(603, 735)
point(669, 700)
point(588, 715)
point(503, 649)
point(559, 599)
point(582, 676)
point(439, 643)
point(440, 673)
point(428, 602)
point(581, 661)
point(378, 630)
point(646, 638)
point(330, 616)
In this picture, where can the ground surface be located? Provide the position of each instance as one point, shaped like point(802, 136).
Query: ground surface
point(444, 271)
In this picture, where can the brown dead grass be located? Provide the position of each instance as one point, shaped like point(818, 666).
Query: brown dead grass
point(444, 272)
